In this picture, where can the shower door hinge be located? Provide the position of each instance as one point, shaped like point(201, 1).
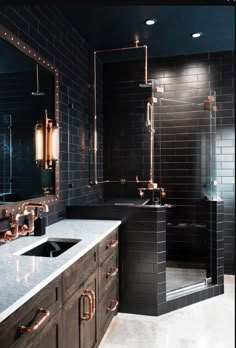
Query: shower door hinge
point(160, 89)
point(208, 280)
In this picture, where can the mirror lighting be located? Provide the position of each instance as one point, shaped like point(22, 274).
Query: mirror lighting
point(46, 143)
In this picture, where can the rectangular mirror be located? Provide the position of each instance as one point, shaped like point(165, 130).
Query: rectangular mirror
point(28, 89)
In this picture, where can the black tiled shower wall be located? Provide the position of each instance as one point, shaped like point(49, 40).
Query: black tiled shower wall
point(127, 151)
point(46, 30)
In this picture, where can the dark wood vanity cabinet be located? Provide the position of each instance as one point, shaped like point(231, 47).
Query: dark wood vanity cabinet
point(82, 302)
point(96, 271)
point(108, 281)
point(80, 291)
point(31, 328)
point(78, 329)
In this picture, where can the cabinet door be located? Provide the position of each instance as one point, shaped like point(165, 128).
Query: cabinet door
point(70, 322)
point(88, 328)
point(28, 325)
point(108, 245)
point(79, 332)
point(107, 309)
point(78, 273)
point(50, 336)
point(108, 274)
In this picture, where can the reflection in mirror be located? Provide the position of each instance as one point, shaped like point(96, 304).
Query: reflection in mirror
point(27, 89)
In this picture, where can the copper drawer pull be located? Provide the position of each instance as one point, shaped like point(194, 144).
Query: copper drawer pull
point(113, 306)
point(38, 324)
point(90, 295)
point(112, 273)
point(112, 244)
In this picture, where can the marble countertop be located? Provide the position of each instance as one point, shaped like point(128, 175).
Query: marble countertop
point(23, 276)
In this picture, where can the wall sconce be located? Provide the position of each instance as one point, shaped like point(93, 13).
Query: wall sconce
point(46, 143)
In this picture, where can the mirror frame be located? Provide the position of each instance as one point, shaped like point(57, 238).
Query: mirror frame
point(14, 207)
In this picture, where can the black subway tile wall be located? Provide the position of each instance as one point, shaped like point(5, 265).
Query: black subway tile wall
point(47, 31)
point(179, 166)
point(142, 265)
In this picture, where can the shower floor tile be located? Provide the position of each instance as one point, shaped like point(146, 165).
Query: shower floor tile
point(177, 278)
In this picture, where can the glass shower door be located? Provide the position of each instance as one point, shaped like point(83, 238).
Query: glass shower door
point(185, 167)
point(5, 156)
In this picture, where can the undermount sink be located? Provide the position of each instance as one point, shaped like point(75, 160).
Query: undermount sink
point(52, 247)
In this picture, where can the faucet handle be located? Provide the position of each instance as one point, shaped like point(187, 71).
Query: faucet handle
point(6, 236)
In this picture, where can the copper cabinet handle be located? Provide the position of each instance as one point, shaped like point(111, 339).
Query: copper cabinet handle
point(38, 323)
point(113, 243)
point(87, 315)
point(112, 273)
point(90, 295)
point(113, 306)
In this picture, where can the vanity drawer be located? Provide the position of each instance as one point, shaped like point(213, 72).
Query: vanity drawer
point(108, 245)
point(108, 274)
point(20, 329)
point(107, 309)
point(78, 273)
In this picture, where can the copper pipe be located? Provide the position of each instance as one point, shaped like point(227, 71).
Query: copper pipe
point(130, 48)
point(145, 64)
point(152, 131)
point(122, 181)
point(24, 229)
point(148, 123)
point(152, 189)
point(16, 229)
point(42, 206)
point(95, 138)
point(120, 49)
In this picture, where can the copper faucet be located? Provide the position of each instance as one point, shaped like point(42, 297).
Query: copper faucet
point(15, 228)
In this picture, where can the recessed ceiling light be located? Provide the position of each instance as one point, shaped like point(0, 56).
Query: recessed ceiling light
point(195, 35)
point(150, 21)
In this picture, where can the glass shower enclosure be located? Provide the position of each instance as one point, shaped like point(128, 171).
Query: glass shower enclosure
point(5, 156)
point(185, 165)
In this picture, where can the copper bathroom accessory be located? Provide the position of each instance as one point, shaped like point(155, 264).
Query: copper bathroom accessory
point(90, 295)
point(29, 329)
point(113, 306)
point(37, 93)
point(46, 142)
point(113, 272)
point(16, 229)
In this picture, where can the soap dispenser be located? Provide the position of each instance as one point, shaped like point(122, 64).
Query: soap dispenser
point(40, 226)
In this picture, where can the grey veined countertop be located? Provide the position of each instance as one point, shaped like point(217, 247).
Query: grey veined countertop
point(21, 277)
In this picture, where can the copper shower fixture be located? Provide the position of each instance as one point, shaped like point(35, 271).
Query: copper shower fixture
point(145, 84)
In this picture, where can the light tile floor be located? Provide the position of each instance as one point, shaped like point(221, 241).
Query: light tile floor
point(207, 324)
